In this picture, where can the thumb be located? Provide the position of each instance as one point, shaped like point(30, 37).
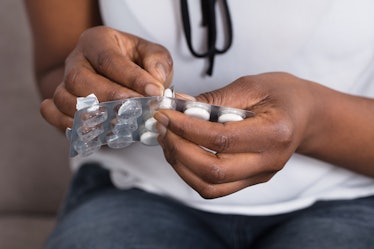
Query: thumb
point(185, 96)
point(222, 97)
point(243, 93)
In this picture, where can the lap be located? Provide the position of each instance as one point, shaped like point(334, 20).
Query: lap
point(105, 217)
point(129, 220)
point(97, 215)
point(328, 224)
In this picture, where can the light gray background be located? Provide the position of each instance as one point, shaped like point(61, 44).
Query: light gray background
point(33, 155)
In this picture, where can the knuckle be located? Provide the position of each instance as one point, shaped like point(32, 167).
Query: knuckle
point(168, 59)
point(112, 94)
point(73, 76)
point(164, 55)
point(104, 60)
point(221, 142)
point(62, 102)
point(258, 180)
point(92, 32)
point(284, 134)
point(209, 191)
point(271, 169)
point(215, 174)
point(88, 32)
point(58, 97)
point(158, 50)
point(266, 178)
point(170, 152)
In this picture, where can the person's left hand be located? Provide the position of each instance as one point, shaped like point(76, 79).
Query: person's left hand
point(248, 152)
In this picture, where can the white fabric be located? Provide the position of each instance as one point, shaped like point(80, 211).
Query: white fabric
point(327, 41)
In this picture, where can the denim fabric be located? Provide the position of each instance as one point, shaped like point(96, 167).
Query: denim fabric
point(96, 215)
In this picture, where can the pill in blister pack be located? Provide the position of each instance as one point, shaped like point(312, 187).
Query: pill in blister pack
point(198, 110)
point(118, 124)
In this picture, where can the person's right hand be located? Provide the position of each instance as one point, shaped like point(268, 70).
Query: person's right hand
point(111, 64)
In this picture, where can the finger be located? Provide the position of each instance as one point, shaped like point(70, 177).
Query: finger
point(215, 168)
point(126, 73)
point(256, 134)
point(54, 116)
point(156, 60)
point(243, 93)
point(64, 101)
point(81, 80)
point(208, 189)
point(117, 56)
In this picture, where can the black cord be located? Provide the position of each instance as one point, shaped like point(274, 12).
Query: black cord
point(208, 9)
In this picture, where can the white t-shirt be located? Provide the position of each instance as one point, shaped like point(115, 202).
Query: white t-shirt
point(327, 41)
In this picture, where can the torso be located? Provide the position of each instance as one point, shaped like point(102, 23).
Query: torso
point(330, 42)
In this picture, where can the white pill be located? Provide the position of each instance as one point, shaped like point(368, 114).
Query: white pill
point(168, 93)
point(166, 103)
point(149, 138)
point(228, 117)
point(197, 112)
point(150, 124)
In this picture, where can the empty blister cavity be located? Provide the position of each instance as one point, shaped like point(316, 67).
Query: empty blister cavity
point(229, 115)
point(94, 117)
point(125, 126)
point(119, 141)
point(86, 148)
point(130, 109)
point(197, 110)
point(86, 133)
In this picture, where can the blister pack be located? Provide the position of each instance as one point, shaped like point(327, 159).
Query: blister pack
point(117, 124)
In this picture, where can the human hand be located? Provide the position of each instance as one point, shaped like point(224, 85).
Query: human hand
point(248, 152)
point(111, 64)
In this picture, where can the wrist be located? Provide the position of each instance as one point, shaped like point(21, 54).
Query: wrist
point(319, 119)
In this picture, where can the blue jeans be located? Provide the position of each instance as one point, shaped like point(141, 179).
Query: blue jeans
point(96, 215)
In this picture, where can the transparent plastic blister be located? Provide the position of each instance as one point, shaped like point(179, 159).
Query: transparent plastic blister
point(118, 124)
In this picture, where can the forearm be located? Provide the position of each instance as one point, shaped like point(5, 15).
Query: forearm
point(341, 130)
point(56, 27)
point(49, 80)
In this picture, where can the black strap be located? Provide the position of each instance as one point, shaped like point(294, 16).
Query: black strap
point(208, 9)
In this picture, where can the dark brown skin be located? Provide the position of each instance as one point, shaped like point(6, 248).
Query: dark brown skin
point(292, 114)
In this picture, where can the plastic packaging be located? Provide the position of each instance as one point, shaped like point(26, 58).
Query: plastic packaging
point(118, 124)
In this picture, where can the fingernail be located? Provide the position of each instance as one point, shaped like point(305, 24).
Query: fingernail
point(162, 123)
point(153, 90)
point(161, 118)
point(161, 72)
point(161, 129)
